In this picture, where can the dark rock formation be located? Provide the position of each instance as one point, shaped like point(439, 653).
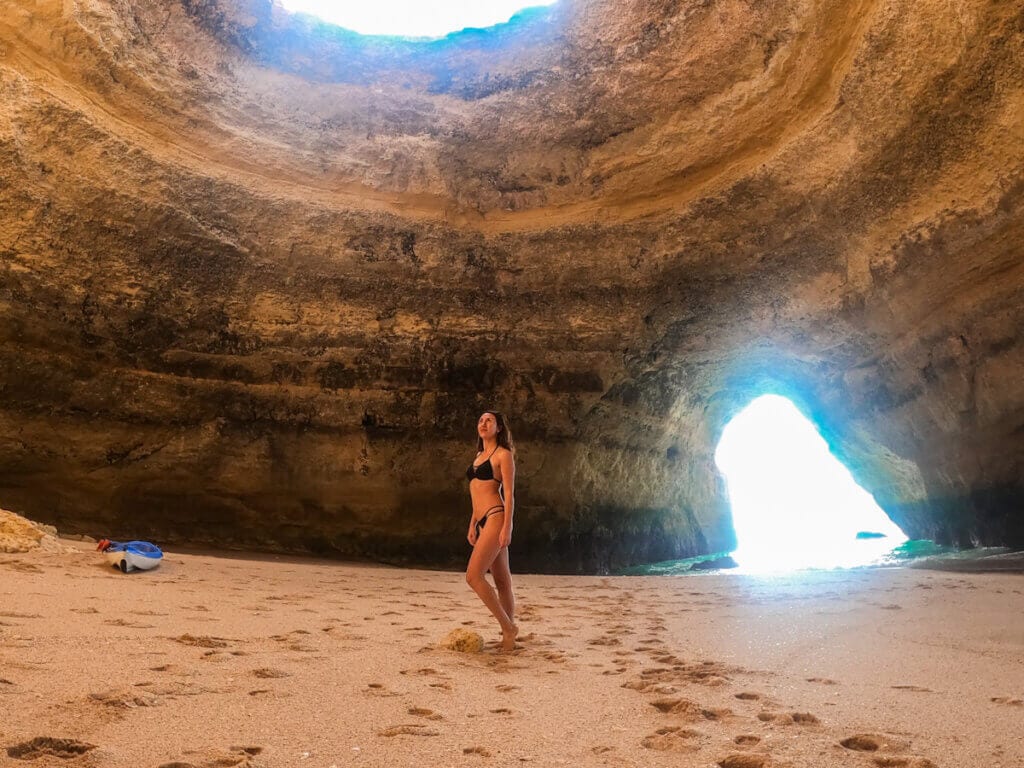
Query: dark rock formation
point(714, 564)
point(258, 276)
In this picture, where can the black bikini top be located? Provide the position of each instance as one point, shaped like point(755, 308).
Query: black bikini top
point(483, 470)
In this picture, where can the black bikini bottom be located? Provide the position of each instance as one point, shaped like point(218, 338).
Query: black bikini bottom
point(483, 520)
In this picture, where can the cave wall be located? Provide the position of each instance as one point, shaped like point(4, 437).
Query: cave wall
point(258, 276)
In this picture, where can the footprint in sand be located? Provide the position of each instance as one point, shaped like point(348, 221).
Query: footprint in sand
point(527, 612)
point(202, 641)
point(667, 658)
point(505, 688)
point(42, 746)
point(482, 751)
point(531, 638)
point(912, 688)
point(425, 671)
point(664, 690)
point(378, 689)
point(673, 739)
point(689, 710)
point(822, 680)
point(1009, 701)
point(649, 645)
point(707, 673)
point(269, 673)
point(743, 760)
point(788, 718)
point(16, 565)
point(748, 696)
point(124, 699)
point(556, 656)
point(429, 714)
point(621, 629)
point(872, 742)
point(408, 730)
point(124, 623)
point(746, 740)
point(234, 757)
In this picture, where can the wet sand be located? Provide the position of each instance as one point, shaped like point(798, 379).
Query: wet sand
point(219, 660)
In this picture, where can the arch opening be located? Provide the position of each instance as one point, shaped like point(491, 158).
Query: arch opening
point(413, 19)
point(794, 504)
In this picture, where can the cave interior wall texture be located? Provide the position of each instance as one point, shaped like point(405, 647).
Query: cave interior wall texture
point(258, 275)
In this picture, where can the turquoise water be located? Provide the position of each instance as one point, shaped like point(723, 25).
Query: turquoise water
point(902, 555)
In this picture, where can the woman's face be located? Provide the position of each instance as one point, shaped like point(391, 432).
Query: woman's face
point(487, 426)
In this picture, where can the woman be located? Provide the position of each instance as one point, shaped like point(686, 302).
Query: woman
point(492, 477)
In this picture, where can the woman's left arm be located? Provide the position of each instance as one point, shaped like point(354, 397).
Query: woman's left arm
point(508, 484)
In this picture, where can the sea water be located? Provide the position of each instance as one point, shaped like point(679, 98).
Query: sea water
point(873, 557)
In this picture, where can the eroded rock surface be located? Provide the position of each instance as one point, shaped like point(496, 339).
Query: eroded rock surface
point(17, 534)
point(258, 276)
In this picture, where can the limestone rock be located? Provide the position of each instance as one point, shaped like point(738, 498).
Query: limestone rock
point(258, 276)
point(18, 534)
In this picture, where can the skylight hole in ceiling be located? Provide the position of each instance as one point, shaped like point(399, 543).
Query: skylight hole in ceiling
point(413, 18)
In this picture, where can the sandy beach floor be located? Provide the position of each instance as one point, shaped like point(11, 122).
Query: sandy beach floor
point(220, 660)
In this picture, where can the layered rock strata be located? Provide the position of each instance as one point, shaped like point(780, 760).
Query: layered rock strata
point(258, 275)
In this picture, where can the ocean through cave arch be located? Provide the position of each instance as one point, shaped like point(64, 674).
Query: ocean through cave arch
point(794, 504)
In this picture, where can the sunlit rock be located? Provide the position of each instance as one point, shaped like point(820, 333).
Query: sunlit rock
point(17, 534)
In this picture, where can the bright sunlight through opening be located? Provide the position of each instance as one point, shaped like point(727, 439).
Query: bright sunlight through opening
point(794, 505)
point(412, 18)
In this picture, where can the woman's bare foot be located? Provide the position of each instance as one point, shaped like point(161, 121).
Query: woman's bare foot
point(508, 638)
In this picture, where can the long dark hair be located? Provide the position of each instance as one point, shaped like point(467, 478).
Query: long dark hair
point(504, 434)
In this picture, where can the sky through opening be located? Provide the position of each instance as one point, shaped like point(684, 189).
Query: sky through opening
point(794, 505)
point(412, 18)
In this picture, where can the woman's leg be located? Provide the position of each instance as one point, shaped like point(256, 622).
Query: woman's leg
point(484, 554)
point(503, 583)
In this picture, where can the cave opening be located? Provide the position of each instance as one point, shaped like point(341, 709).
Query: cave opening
point(794, 505)
point(413, 18)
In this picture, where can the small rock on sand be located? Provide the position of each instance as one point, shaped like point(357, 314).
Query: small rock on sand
point(463, 641)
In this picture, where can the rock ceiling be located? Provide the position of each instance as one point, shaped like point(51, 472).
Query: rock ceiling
point(259, 275)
